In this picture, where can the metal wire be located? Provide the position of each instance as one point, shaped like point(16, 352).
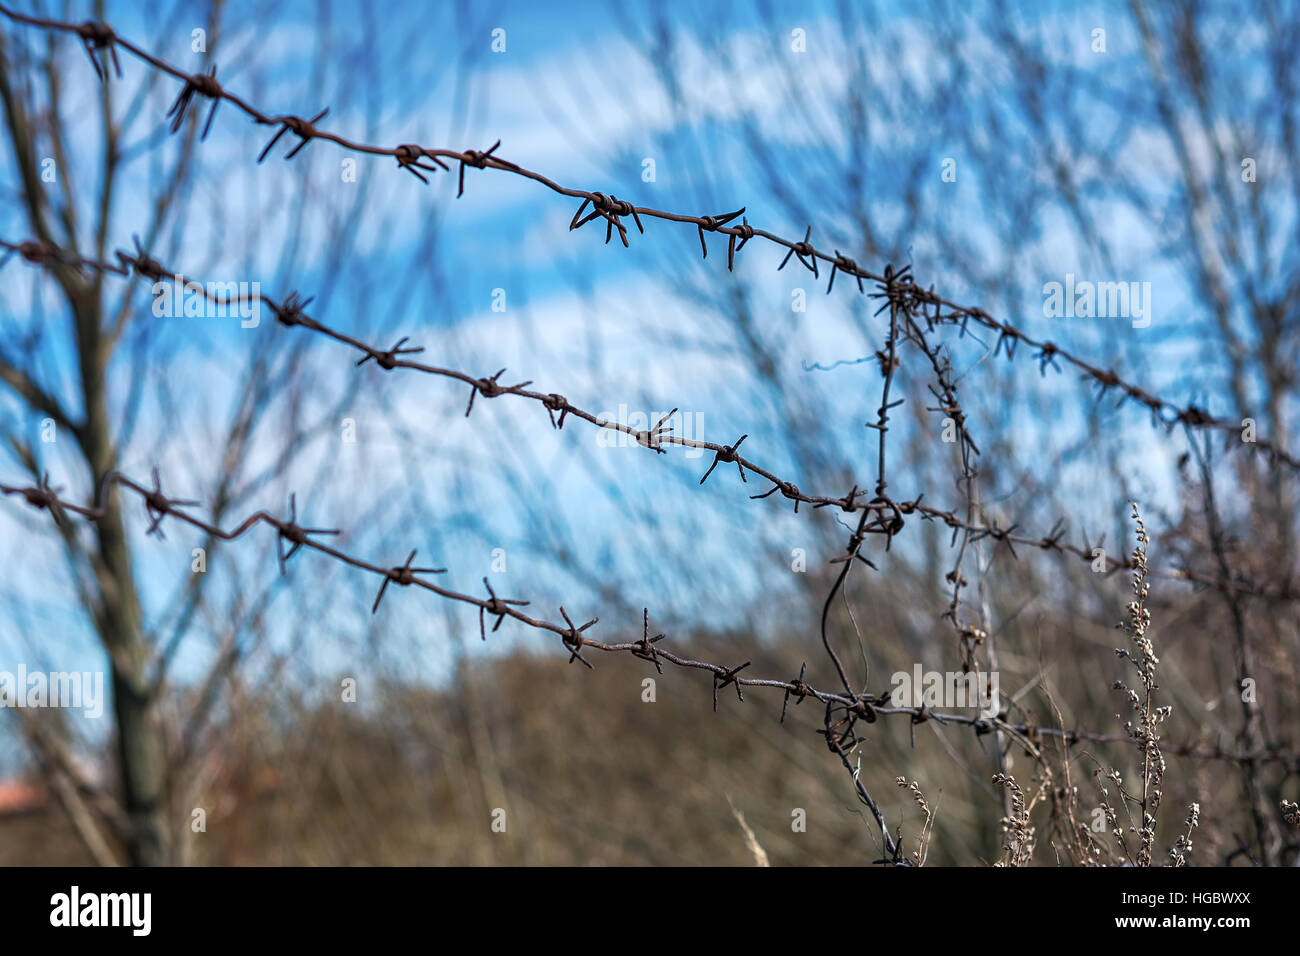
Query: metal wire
point(102, 38)
point(914, 312)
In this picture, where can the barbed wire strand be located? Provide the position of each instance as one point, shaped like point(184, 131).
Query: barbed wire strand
point(98, 36)
point(903, 297)
point(158, 506)
point(886, 516)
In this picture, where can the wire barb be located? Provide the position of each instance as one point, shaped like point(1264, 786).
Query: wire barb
point(806, 254)
point(653, 438)
point(611, 209)
point(100, 36)
point(403, 576)
point(645, 648)
point(157, 506)
point(727, 453)
point(388, 360)
point(574, 640)
point(478, 160)
point(497, 607)
point(491, 388)
point(297, 536)
point(305, 130)
point(408, 157)
point(725, 676)
point(713, 224)
point(198, 84)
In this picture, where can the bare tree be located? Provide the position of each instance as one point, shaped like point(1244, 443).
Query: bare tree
point(116, 373)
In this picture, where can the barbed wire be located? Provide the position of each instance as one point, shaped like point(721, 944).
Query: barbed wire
point(884, 515)
point(99, 37)
point(879, 514)
point(843, 711)
point(293, 537)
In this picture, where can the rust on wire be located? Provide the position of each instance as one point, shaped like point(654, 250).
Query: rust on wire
point(44, 497)
point(899, 287)
point(290, 313)
point(882, 515)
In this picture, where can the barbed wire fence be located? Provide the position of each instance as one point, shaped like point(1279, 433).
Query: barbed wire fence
point(914, 313)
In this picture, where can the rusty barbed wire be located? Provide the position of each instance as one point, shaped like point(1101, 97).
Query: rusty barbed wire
point(292, 537)
point(879, 515)
point(842, 712)
point(882, 515)
point(1164, 412)
point(845, 710)
point(45, 497)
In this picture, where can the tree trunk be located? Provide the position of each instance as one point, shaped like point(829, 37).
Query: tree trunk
point(139, 739)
